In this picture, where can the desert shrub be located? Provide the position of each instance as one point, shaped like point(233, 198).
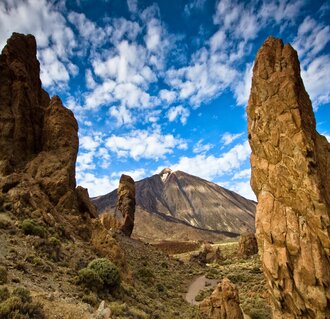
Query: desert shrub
point(107, 271)
point(3, 275)
point(31, 227)
point(22, 293)
point(91, 299)
point(90, 279)
point(4, 294)
point(19, 305)
point(144, 274)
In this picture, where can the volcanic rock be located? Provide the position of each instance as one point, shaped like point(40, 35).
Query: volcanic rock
point(223, 302)
point(247, 245)
point(126, 203)
point(207, 254)
point(291, 179)
point(38, 145)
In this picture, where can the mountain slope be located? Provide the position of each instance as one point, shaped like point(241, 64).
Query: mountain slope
point(177, 199)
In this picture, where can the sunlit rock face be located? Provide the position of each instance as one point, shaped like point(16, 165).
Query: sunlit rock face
point(223, 302)
point(291, 178)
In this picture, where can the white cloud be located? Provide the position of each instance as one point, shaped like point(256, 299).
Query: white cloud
point(228, 138)
point(199, 147)
point(167, 96)
point(244, 189)
point(55, 38)
point(194, 5)
point(132, 6)
point(210, 167)
point(88, 143)
point(97, 185)
point(179, 112)
point(136, 174)
point(243, 174)
point(242, 89)
point(144, 144)
point(121, 114)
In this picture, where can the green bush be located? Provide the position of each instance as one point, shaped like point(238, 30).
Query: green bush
point(31, 227)
point(90, 279)
point(3, 275)
point(19, 305)
point(107, 271)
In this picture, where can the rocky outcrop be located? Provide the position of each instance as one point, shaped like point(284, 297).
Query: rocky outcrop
point(247, 245)
point(223, 302)
point(38, 145)
point(291, 178)
point(207, 254)
point(126, 203)
point(22, 103)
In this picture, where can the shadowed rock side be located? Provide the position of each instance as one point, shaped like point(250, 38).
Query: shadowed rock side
point(38, 145)
point(223, 302)
point(247, 245)
point(187, 203)
point(126, 203)
point(291, 178)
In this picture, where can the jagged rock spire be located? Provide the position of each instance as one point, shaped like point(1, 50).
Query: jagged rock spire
point(291, 178)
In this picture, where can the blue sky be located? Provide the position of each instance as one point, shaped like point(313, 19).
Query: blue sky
point(158, 84)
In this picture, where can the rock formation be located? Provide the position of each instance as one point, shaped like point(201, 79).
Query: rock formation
point(126, 203)
point(291, 178)
point(38, 145)
point(223, 302)
point(247, 245)
point(207, 254)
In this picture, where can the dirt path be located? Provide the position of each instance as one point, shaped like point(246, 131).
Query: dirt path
point(196, 286)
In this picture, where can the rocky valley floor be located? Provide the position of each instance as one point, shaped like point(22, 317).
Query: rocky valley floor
point(154, 284)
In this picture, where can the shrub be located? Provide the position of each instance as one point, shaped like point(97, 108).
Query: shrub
point(31, 227)
point(90, 279)
point(19, 305)
point(4, 294)
point(91, 299)
point(22, 293)
point(3, 275)
point(107, 271)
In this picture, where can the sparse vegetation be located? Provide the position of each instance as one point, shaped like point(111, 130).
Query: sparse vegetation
point(31, 227)
point(90, 279)
point(3, 275)
point(107, 271)
point(19, 305)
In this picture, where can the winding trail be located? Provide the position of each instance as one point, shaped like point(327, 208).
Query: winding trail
point(196, 286)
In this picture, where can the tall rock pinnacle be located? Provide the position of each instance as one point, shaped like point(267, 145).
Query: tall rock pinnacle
point(126, 203)
point(291, 178)
point(38, 144)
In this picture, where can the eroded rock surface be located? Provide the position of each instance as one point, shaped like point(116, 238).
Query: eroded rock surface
point(38, 145)
point(126, 203)
point(291, 178)
point(247, 245)
point(223, 302)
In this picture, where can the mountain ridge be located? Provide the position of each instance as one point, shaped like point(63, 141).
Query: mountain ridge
point(181, 198)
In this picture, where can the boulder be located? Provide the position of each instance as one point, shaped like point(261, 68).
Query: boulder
point(247, 245)
point(206, 255)
point(291, 178)
point(223, 302)
point(126, 203)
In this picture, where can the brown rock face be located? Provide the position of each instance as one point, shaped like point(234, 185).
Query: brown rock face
point(223, 303)
point(22, 103)
point(291, 178)
point(38, 145)
point(126, 203)
point(247, 245)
